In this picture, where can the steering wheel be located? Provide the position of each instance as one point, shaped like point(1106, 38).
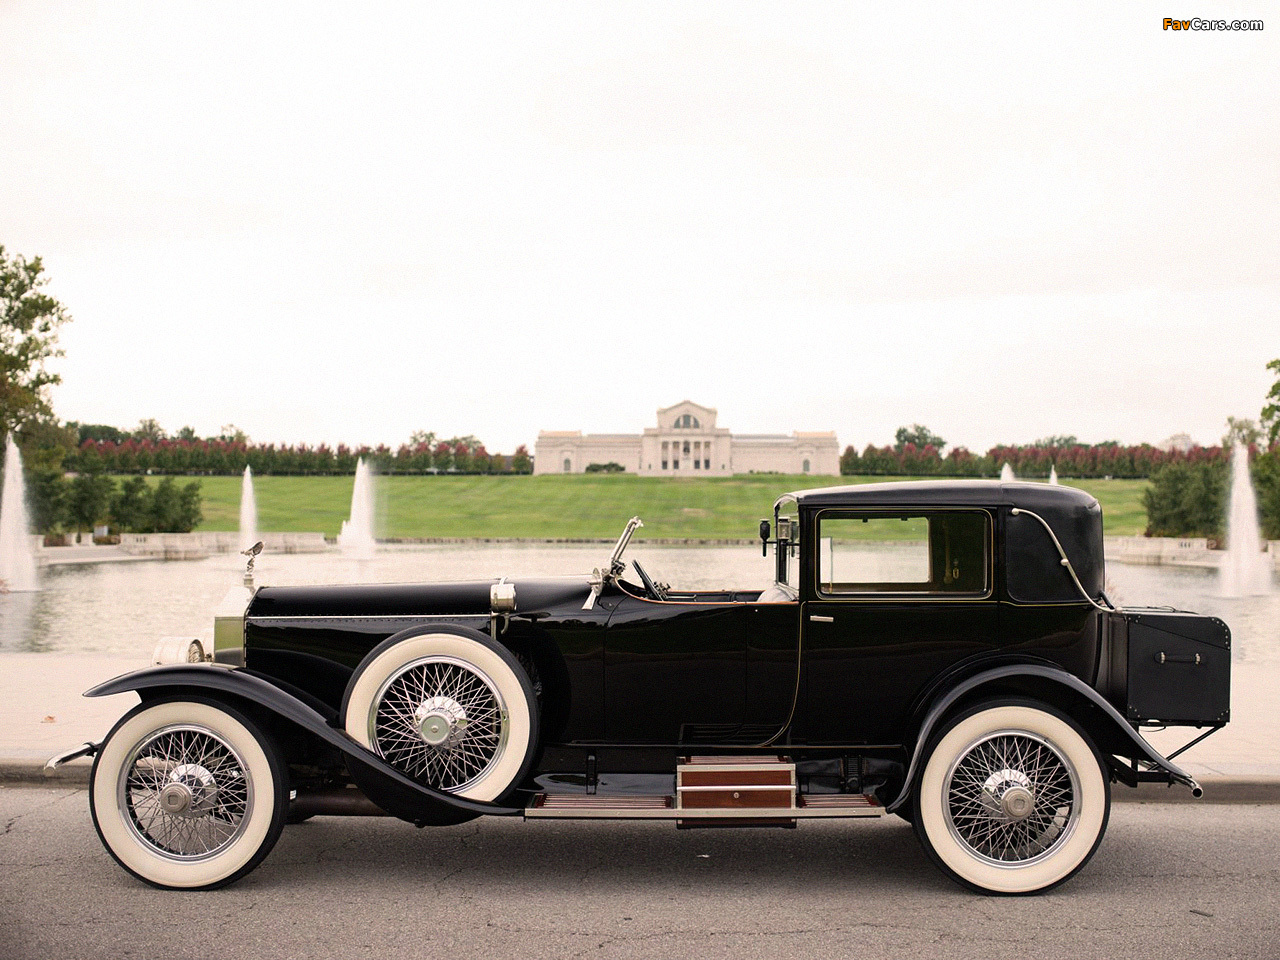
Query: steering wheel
point(651, 589)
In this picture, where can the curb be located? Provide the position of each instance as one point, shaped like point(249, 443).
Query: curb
point(23, 772)
point(31, 773)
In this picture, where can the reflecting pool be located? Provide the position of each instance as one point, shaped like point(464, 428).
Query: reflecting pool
point(125, 607)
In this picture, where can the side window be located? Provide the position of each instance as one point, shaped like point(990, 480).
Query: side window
point(919, 552)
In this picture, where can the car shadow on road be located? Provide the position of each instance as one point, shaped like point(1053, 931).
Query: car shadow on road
point(562, 855)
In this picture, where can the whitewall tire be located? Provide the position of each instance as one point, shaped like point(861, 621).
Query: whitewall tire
point(188, 794)
point(1013, 798)
point(452, 711)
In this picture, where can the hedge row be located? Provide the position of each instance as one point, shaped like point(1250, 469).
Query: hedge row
point(1030, 461)
point(230, 457)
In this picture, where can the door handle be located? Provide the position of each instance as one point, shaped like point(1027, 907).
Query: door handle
point(819, 618)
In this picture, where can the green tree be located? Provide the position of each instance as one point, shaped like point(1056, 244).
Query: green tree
point(1266, 483)
point(1271, 409)
point(29, 322)
point(149, 429)
point(46, 446)
point(174, 509)
point(187, 433)
point(1241, 430)
point(164, 506)
point(919, 435)
point(131, 506)
point(97, 431)
point(230, 433)
point(48, 493)
point(190, 512)
point(1056, 440)
point(1187, 500)
point(89, 499)
point(849, 461)
point(520, 460)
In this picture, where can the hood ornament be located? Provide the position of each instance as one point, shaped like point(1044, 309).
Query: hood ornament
point(252, 554)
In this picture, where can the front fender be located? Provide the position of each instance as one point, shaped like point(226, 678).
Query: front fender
point(241, 683)
point(1141, 750)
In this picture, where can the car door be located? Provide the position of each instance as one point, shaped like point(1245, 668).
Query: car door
point(896, 597)
point(675, 671)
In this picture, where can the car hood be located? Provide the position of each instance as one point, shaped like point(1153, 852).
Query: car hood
point(452, 598)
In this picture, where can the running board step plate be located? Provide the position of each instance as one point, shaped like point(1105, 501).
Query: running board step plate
point(579, 806)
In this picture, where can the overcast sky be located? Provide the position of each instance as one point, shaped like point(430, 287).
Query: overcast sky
point(346, 223)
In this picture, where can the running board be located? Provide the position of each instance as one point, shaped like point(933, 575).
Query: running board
point(728, 791)
point(578, 806)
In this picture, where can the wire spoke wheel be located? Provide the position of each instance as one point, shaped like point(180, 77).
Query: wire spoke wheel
point(188, 793)
point(1012, 798)
point(448, 708)
point(442, 721)
point(185, 792)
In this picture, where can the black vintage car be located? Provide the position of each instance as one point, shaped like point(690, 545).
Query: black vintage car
point(943, 651)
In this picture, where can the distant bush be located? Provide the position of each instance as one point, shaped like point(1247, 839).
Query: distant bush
point(609, 467)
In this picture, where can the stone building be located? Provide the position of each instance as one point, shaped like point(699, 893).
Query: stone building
point(687, 443)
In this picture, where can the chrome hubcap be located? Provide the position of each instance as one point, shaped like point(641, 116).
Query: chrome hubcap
point(1009, 792)
point(175, 799)
point(1011, 798)
point(191, 792)
point(1017, 803)
point(440, 720)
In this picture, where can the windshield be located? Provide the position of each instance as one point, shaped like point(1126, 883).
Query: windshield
point(616, 563)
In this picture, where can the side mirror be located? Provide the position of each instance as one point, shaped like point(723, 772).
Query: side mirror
point(764, 538)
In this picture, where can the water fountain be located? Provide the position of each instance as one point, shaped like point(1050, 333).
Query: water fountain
point(17, 558)
point(1245, 569)
point(356, 538)
point(1053, 475)
point(248, 512)
point(1007, 474)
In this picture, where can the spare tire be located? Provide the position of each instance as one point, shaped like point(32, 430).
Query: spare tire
point(447, 707)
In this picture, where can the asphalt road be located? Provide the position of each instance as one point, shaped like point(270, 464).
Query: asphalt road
point(1180, 880)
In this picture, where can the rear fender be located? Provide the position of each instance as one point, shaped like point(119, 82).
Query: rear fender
point(243, 684)
point(1104, 723)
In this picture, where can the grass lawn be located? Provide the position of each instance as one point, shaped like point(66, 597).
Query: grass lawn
point(561, 506)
